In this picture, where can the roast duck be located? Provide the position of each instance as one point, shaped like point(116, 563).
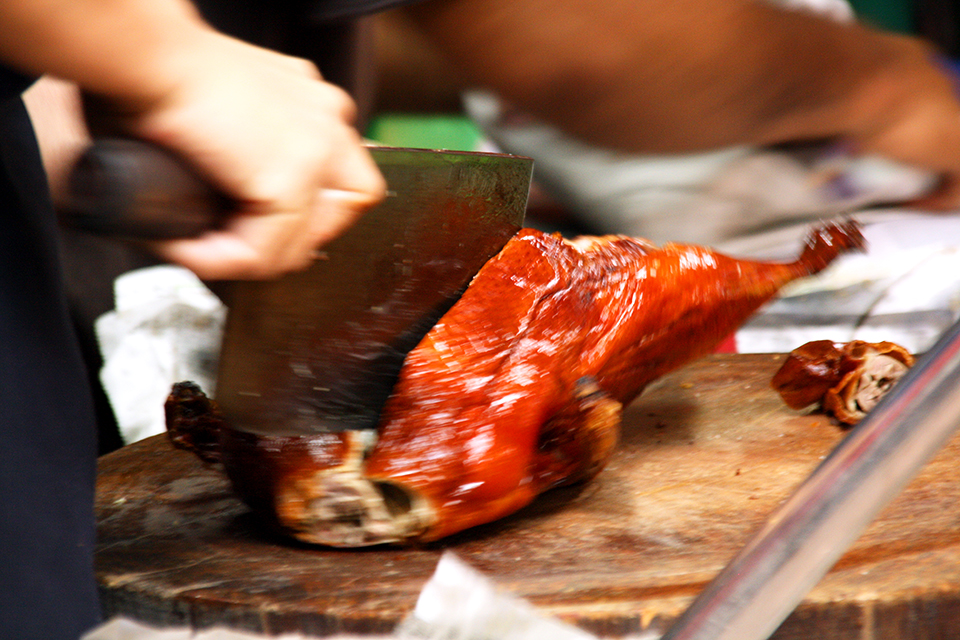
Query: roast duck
point(517, 389)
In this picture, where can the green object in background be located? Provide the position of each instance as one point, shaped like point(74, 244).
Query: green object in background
point(893, 15)
point(426, 131)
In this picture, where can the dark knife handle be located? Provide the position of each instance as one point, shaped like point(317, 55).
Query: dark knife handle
point(133, 189)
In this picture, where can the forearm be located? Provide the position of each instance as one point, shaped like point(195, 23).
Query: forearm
point(653, 76)
point(128, 50)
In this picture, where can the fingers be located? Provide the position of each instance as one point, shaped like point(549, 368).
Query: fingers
point(266, 242)
point(336, 211)
point(356, 184)
point(263, 246)
point(279, 142)
point(914, 120)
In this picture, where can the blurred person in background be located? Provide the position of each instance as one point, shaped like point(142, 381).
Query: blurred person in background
point(640, 76)
point(724, 71)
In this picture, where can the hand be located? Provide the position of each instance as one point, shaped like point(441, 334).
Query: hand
point(266, 130)
point(916, 120)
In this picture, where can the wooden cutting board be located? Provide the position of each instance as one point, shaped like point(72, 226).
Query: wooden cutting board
point(707, 453)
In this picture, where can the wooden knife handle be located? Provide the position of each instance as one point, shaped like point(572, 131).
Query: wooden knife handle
point(133, 189)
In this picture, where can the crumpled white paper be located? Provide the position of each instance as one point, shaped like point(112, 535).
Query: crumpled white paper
point(459, 603)
point(166, 327)
point(127, 629)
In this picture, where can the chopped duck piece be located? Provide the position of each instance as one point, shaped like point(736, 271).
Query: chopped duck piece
point(517, 389)
point(846, 380)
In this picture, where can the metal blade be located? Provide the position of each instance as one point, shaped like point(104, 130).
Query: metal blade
point(320, 350)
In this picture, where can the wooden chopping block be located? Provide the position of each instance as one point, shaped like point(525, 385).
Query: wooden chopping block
point(707, 453)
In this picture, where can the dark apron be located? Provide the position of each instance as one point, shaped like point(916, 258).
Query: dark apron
point(48, 445)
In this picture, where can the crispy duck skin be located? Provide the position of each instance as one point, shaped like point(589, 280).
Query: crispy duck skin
point(845, 379)
point(517, 389)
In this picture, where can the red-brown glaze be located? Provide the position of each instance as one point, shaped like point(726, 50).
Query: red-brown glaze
point(520, 385)
point(463, 424)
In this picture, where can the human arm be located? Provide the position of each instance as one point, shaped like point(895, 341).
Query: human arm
point(260, 126)
point(690, 75)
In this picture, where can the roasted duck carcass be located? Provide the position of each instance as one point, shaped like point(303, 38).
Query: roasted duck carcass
point(845, 379)
point(517, 389)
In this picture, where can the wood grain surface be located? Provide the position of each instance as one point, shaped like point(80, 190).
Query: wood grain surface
point(706, 454)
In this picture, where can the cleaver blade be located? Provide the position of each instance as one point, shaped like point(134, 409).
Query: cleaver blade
point(319, 350)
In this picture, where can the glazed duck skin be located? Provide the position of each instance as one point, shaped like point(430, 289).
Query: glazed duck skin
point(518, 388)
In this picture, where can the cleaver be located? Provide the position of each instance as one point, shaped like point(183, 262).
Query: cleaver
point(319, 350)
